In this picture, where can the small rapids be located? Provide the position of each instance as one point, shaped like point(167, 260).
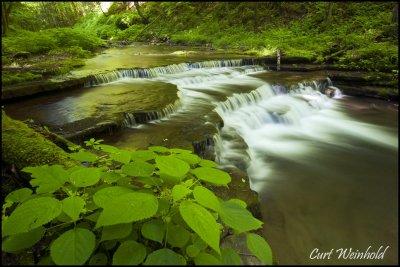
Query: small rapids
point(275, 122)
point(159, 71)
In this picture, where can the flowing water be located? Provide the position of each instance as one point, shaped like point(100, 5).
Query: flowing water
point(325, 168)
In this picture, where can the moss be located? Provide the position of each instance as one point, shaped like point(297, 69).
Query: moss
point(22, 146)
point(18, 77)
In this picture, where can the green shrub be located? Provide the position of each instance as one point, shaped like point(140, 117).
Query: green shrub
point(9, 78)
point(128, 207)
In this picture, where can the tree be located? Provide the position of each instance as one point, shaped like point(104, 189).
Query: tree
point(137, 6)
point(5, 16)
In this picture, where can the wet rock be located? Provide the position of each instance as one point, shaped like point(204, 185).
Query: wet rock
point(204, 148)
point(329, 91)
point(22, 54)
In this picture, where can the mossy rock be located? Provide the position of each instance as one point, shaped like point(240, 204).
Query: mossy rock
point(22, 146)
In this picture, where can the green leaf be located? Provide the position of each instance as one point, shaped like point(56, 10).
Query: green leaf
point(31, 214)
point(143, 155)
point(117, 231)
point(179, 192)
point(199, 243)
point(83, 177)
point(47, 178)
point(83, 156)
point(154, 230)
point(98, 259)
point(73, 247)
point(238, 218)
point(107, 148)
point(230, 257)
point(206, 198)
point(120, 155)
point(138, 168)
point(105, 195)
point(19, 195)
point(260, 248)
point(22, 241)
point(45, 261)
point(171, 166)
point(192, 251)
point(201, 222)
point(213, 176)
point(165, 256)
point(207, 163)
point(128, 208)
point(238, 201)
point(177, 236)
point(189, 158)
point(206, 259)
point(180, 151)
point(129, 253)
point(159, 149)
point(111, 177)
point(73, 206)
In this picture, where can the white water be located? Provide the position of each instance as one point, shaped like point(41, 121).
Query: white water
point(276, 124)
point(159, 71)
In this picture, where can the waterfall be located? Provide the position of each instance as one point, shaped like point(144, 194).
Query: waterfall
point(276, 122)
point(158, 71)
point(134, 119)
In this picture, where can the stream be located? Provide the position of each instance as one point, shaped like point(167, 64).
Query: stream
point(325, 168)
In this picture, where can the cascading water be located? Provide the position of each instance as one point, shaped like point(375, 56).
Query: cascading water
point(272, 122)
point(158, 71)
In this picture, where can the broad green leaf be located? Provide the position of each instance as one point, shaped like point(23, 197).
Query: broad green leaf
point(179, 192)
point(171, 166)
point(259, 247)
point(238, 201)
point(73, 206)
point(117, 231)
point(93, 217)
point(46, 260)
point(64, 218)
point(111, 177)
point(154, 230)
point(163, 206)
point(230, 257)
point(22, 241)
point(207, 163)
point(199, 243)
point(47, 178)
point(189, 158)
point(110, 244)
point(177, 236)
point(129, 253)
point(180, 151)
point(105, 195)
point(120, 155)
point(192, 251)
point(73, 247)
point(165, 256)
point(143, 155)
point(98, 259)
point(211, 175)
point(206, 198)
point(238, 218)
point(159, 149)
point(201, 222)
point(31, 214)
point(138, 168)
point(151, 181)
point(206, 259)
point(107, 148)
point(83, 156)
point(128, 208)
point(19, 195)
point(83, 177)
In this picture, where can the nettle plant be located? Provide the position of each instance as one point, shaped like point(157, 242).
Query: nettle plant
point(125, 207)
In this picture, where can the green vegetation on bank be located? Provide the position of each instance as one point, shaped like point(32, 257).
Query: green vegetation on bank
point(126, 208)
point(349, 35)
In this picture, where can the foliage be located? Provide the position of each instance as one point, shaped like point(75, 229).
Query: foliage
point(128, 207)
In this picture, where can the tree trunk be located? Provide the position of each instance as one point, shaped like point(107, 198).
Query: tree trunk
point(5, 16)
point(395, 13)
point(144, 19)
